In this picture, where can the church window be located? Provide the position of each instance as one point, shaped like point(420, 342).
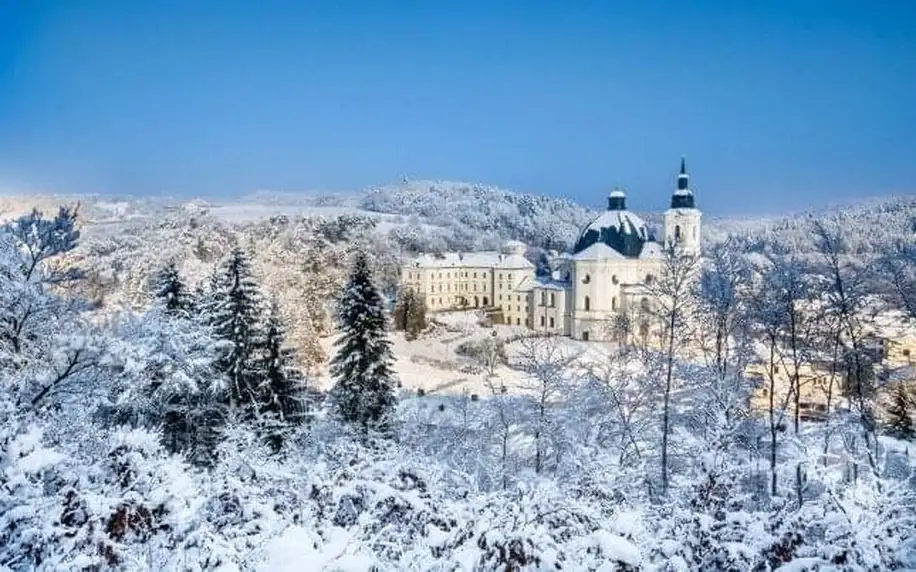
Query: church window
point(542, 321)
point(587, 279)
point(543, 299)
point(553, 300)
point(614, 303)
point(551, 322)
point(677, 232)
point(510, 277)
point(588, 304)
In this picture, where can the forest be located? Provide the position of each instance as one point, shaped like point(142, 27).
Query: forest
point(158, 410)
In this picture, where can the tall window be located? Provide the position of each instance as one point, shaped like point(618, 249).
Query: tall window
point(551, 322)
point(543, 300)
point(644, 304)
point(588, 304)
point(677, 232)
point(553, 299)
point(614, 303)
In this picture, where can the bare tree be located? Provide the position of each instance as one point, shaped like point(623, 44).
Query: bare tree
point(847, 288)
point(673, 295)
point(546, 360)
point(723, 293)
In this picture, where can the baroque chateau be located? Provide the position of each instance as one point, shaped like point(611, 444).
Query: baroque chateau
point(607, 277)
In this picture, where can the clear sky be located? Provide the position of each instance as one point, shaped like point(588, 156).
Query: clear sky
point(777, 104)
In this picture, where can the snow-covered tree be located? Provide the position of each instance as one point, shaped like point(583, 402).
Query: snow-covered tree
point(170, 289)
point(282, 391)
point(410, 313)
point(901, 412)
point(362, 366)
point(234, 313)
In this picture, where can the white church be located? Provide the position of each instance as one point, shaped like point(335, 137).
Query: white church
point(596, 292)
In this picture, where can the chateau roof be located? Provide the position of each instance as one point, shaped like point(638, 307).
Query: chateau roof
point(482, 259)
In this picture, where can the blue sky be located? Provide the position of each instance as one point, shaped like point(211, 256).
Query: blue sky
point(777, 104)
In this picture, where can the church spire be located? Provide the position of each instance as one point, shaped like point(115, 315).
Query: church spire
point(683, 196)
point(683, 178)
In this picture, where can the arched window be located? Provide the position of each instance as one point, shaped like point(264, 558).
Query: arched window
point(587, 279)
point(649, 278)
point(644, 304)
point(553, 300)
point(614, 279)
point(677, 232)
point(614, 303)
point(543, 298)
point(476, 301)
point(486, 301)
point(588, 304)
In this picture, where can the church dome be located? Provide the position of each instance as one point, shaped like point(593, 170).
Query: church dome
point(617, 227)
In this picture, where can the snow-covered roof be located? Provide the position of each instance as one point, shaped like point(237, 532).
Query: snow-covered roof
point(652, 250)
point(481, 259)
point(618, 228)
point(598, 251)
point(547, 283)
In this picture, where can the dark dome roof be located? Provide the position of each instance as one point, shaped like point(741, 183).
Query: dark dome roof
point(616, 227)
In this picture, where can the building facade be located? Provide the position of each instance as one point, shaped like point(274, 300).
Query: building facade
point(591, 293)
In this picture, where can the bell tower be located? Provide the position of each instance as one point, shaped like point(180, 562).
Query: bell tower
point(682, 220)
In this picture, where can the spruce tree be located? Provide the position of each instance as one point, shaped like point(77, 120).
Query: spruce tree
point(171, 290)
point(234, 311)
point(362, 367)
point(282, 388)
point(900, 412)
point(410, 313)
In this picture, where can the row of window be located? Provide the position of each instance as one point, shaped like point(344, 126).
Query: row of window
point(448, 275)
point(643, 304)
point(587, 279)
point(448, 288)
point(552, 324)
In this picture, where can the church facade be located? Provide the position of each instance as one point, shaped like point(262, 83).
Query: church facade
point(595, 292)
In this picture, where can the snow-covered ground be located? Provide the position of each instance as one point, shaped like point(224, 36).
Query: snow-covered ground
point(432, 364)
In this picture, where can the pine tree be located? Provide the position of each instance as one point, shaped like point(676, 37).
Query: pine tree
point(234, 311)
point(901, 413)
point(282, 389)
point(410, 313)
point(171, 290)
point(362, 367)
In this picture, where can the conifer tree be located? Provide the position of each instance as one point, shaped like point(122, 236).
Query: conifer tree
point(362, 367)
point(234, 308)
point(282, 389)
point(410, 313)
point(901, 413)
point(171, 290)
